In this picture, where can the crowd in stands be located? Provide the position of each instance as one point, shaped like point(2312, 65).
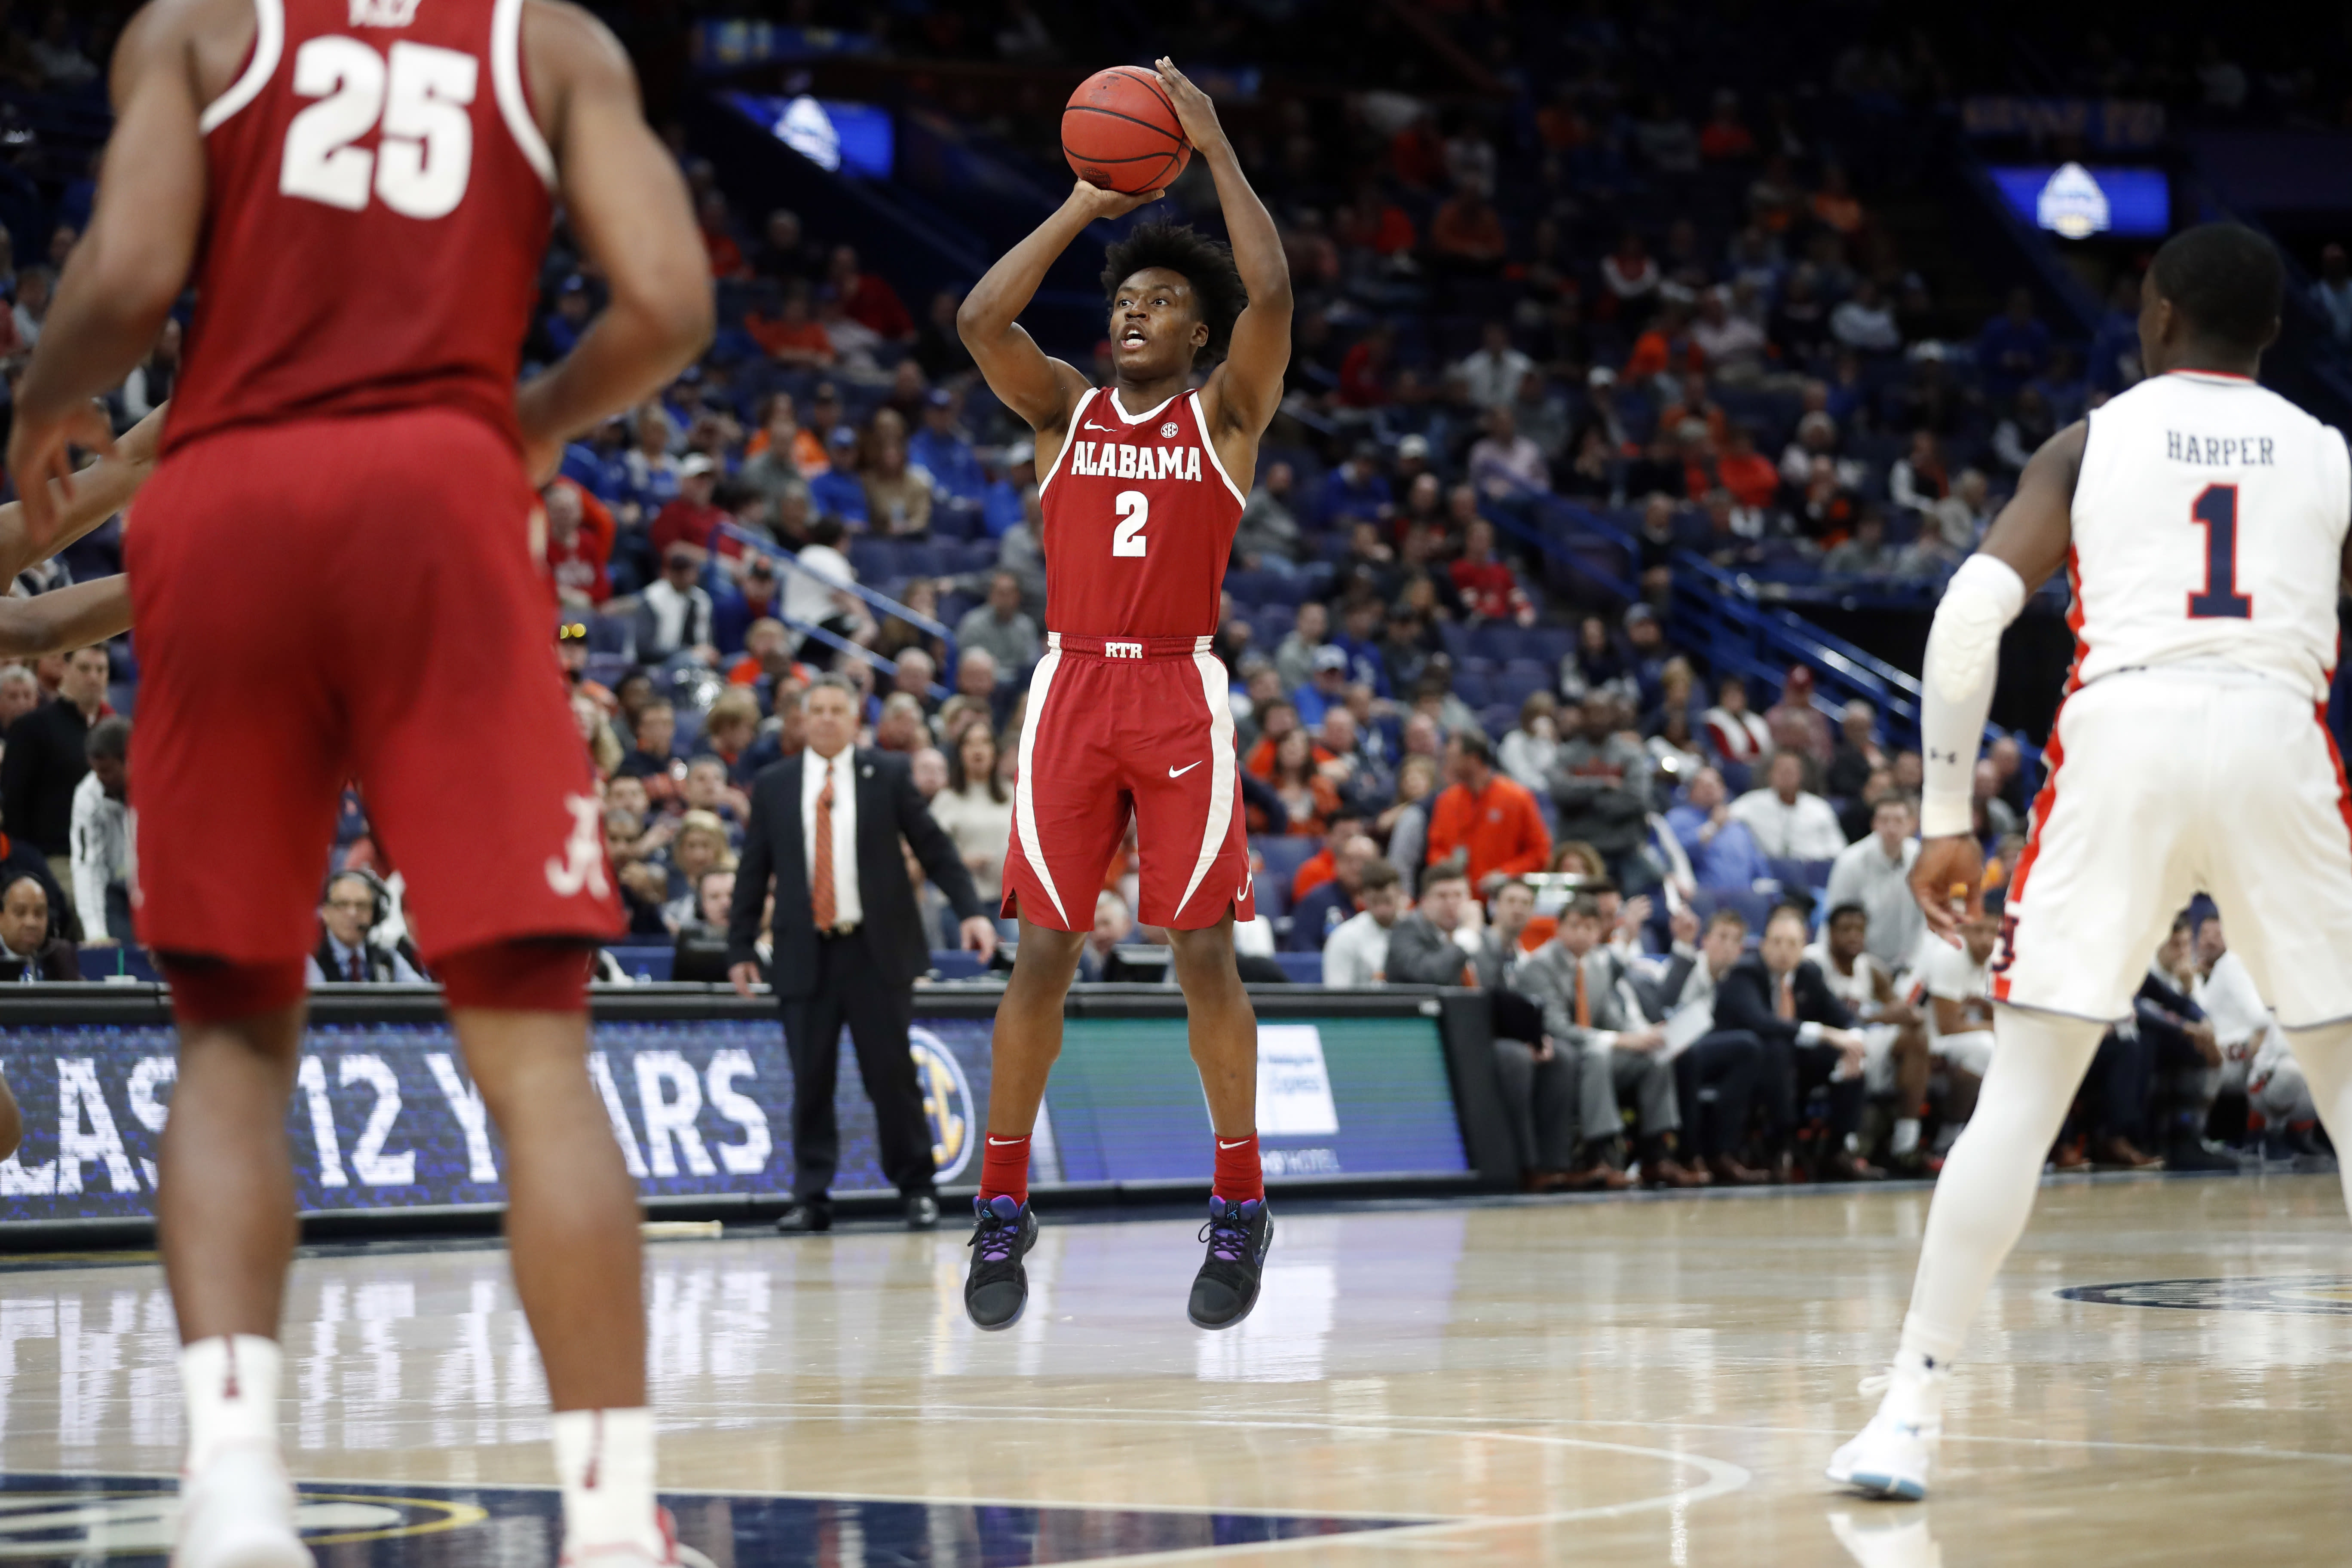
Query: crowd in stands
point(1672, 320)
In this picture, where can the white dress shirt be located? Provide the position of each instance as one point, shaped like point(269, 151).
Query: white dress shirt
point(1802, 829)
point(1357, 955)
point(1863, 875)
point(847, 907)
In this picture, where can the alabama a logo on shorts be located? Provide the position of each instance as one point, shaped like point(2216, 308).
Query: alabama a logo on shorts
point(581, 867)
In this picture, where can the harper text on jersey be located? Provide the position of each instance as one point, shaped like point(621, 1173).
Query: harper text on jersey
point(2218, 451)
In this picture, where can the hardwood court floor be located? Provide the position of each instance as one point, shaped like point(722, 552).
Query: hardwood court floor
point(1628, 1383)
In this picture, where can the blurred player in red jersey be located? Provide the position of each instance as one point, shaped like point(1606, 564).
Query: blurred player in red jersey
point(1143, 484)
point(332, 575)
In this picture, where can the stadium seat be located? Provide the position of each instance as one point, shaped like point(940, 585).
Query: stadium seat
point(1812, 874)
point(1752, 906)
point(1520, 679)
point(1498, 719)
point(1474, 686)
point(1273, 894)
point(1269, 624)
point(1495, 641)
point(1304, 968)
point(1281, 854)
point(1456, 639)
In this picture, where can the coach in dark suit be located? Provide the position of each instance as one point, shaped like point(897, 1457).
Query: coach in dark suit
point(1780, 995)
point(849, 942)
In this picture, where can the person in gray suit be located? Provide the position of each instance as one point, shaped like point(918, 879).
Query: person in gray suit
point(1537, 1075)
point(1589, 1006)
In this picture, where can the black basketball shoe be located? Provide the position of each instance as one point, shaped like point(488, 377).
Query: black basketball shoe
point(1226, 1289)
point(997, 1289)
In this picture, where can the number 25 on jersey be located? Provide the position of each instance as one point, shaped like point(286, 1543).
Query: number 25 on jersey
point(418, 100)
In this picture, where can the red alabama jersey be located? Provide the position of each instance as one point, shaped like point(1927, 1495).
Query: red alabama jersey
point(377, 203)
point(1140, 520)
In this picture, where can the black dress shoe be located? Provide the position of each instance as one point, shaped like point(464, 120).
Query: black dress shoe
point(923, 1212)
point(802, 1219)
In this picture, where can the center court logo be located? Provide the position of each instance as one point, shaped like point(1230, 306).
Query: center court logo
point(947, 1101)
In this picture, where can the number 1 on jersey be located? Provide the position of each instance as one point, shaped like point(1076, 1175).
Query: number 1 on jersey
point(1133, 506)
point(2216, 512)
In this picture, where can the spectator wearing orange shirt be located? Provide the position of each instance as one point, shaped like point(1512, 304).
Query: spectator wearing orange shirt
point(792, 336)
point(579, 543)
point(867, 299)
point(1664, 348)
point(1324, 864)
point(1722, 137)
point(726, 255)
point(1748, 474)
point(1375, 223)
point(1466, 235)
point(1694, 404)
point(1489, 819)
point(1834, 205)
point(780, 424)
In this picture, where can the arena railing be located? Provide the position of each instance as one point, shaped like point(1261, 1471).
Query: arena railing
point(881, 603)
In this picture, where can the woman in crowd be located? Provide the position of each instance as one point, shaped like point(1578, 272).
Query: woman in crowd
point(604, 746)
point(976, 809)
point(1529, 750)
point(1306, 795)
point(700, 847)
point(1405, 824)
point(898, 498)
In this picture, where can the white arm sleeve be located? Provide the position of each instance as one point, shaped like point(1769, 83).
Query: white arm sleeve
point(1963, 659)
point(86, 845)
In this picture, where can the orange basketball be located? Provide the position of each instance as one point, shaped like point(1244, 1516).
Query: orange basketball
point(1119, 132)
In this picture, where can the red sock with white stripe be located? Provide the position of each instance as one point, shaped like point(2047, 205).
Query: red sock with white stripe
point(1004, 1168)
point(1239, 1178)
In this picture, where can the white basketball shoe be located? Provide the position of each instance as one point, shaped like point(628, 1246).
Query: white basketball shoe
point(632, 1554)
point(239, 1512)
point(1892, 1456)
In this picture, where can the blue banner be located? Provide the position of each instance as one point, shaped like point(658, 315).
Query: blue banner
point(384, 1115)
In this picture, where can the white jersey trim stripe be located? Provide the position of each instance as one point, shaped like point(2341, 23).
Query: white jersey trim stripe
point(1221, 771)
point(1025, 795)
point(505, 79)
point(1138, 419)
point(1069, 440)
point(268, 45)
point(1200, 424)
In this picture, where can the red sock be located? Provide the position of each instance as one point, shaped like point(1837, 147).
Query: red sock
point(1238, 1179)
point(1004, 1168)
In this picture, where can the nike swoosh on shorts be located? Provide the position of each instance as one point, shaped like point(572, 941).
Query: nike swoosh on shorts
point(1180, 772)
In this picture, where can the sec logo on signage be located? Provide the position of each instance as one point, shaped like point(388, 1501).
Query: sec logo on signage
point(947, 1101)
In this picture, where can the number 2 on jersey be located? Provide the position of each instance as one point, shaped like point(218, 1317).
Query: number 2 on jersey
point(1133, 506)
point(2216, 512)
point(426, 153)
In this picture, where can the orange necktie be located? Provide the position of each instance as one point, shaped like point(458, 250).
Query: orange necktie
point(1584, 1002)
point(820, 871)
point(1784, 1000)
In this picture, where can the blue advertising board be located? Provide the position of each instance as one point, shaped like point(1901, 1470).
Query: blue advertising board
point(384, 1117)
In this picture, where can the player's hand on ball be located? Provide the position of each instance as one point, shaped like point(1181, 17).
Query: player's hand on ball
point(743, 976)
point(1097, 202)
point(1943, 864)
point(1194, 112)
point(980, 937)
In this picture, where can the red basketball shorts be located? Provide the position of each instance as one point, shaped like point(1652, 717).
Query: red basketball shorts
point(1115, 729)
point(353, 600)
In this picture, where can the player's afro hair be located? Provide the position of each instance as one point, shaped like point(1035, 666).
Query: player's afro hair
point(1206, 264)
point(2227, 281)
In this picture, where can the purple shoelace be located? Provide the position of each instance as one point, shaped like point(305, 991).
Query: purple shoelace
point(1227, 1232)
point(999, 1228)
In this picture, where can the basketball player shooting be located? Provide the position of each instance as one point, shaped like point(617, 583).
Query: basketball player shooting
point(332, 577)
point(2203, 521)
point(1144, 486)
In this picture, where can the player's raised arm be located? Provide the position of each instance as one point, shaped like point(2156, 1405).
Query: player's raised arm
point(1039, 389)
point(2026, 544)
point(65, 618)
point(628, 206)
point(121, 279)
point(1247, 388)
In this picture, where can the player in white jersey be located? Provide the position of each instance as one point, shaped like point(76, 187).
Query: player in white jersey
point(2202, 521)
